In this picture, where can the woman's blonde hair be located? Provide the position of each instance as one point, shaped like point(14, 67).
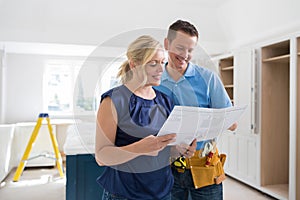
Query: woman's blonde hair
point(140, 52)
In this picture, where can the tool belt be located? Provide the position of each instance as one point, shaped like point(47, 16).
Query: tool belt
point(207, 170)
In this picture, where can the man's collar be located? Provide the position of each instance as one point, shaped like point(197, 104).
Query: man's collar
point(190, 71)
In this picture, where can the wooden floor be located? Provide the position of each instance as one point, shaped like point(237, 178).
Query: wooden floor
point(45, 184)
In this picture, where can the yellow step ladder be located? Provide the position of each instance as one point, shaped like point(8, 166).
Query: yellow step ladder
point(30, 144)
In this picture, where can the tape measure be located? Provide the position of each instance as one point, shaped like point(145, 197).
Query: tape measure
point(180, 164)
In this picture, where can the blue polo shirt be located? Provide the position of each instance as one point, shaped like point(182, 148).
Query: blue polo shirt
point(199, 87)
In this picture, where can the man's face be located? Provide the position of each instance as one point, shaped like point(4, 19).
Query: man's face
point(180, 51)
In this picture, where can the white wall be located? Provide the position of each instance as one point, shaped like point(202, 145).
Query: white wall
point(24, 87)
point(223, 25)
point(24, 97)
point(248, 22)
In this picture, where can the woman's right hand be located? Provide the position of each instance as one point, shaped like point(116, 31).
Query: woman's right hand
point(152, 145)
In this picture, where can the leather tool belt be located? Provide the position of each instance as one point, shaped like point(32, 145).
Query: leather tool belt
point(207, 170)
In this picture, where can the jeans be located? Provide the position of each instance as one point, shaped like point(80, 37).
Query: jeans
point(184, 189)
point(108, 196)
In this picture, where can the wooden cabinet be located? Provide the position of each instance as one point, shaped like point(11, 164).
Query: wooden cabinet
point(275, 117)
point(264, 151)
point(226, 68)
point(280, 118)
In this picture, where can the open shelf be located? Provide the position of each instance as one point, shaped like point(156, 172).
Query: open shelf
point(279, 191)
point(275, 120)
point(283, 58)
point(228, 86)
point(226, 67)
point(276, 51)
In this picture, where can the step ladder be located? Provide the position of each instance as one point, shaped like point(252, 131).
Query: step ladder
point(30, 144)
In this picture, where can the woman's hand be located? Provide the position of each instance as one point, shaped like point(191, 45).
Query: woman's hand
point(151, 145)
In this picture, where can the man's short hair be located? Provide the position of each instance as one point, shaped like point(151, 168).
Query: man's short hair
point(183, 26)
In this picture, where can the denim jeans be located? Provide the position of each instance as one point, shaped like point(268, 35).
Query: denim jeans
point(108, 196)
point(184, 189)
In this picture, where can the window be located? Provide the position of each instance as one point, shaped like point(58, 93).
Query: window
point(109, 78)
point(59, 82)
point(68, 92)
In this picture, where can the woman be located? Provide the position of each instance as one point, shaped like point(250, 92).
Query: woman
point(129, 117)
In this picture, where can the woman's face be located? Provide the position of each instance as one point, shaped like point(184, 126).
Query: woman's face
point(154, 68)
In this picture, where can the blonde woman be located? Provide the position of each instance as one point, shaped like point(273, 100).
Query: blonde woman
point(128, 120)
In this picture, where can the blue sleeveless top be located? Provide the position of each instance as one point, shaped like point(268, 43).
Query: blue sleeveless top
point(145, 177)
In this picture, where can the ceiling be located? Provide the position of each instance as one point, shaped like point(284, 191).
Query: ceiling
point(223, 24)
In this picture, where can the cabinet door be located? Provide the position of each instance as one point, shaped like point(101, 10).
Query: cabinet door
point(244, 88)
point(241, 147)
point(242, 157)
point(82, 173)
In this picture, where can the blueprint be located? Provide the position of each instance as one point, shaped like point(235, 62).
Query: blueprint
point(201, 123)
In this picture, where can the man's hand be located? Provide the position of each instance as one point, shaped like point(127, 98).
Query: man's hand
point(233, 127)
point(187, 150)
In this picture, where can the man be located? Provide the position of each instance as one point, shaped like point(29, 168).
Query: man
point(191, 85)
